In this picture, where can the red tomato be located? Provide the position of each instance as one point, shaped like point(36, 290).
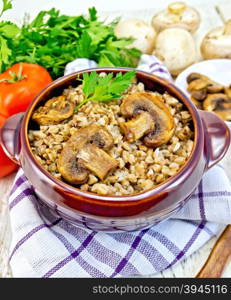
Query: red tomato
point(2, 120)
point(7, 166)
point(19, 85)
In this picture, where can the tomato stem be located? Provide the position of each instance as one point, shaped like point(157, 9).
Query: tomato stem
point(15, 77)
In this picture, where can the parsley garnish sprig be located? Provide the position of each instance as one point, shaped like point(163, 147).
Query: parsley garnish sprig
point(104, 88)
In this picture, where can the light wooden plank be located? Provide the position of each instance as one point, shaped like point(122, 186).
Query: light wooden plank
point(5, 231)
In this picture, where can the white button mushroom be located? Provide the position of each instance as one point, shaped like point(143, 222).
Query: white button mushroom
point(175, 47)
point(177, 14)
point(143, 34)
point(217, 42)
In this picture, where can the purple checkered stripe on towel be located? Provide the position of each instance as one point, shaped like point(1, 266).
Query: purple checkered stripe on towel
point(156, 67)
point(121, 265)
point(151, 64)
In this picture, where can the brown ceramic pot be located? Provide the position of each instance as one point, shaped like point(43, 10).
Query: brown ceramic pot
point(113, 213)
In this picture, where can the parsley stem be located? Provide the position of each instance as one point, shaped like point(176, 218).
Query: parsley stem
point(81, 104)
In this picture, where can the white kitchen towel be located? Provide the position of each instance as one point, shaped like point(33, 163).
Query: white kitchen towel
point(45, 245)
point(147, 63)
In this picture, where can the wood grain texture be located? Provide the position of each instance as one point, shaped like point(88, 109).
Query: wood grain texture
point(5, 231)
point(219, 257)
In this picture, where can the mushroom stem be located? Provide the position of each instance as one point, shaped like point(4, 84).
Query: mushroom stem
point(137, 127)
point(152, 104)
point(86, 151)
point(177, 8)
point(227, 28)
point(97, 160)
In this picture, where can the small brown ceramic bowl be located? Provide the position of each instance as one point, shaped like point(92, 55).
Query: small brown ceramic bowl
point(114, 213)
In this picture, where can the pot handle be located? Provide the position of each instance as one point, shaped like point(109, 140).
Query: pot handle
point(10, 137)
point(217, 137)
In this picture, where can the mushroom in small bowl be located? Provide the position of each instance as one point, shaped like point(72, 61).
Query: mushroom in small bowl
point(209, 95)
point(177, 14)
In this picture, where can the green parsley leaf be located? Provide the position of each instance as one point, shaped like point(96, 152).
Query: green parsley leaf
point(89, 83)
point(85, 48)
point(7, 4)
point(104, 88)
point(38, 21)
point(5, 52)
point(93, 14)
point(105, 61)
point(8, 29)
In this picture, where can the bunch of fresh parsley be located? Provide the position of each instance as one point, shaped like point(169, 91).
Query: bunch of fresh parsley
point(8, 31)
point(52, 40)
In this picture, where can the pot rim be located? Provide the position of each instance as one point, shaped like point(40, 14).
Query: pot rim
point(180, 176)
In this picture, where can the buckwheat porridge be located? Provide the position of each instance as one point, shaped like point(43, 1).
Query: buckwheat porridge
point(119, 147)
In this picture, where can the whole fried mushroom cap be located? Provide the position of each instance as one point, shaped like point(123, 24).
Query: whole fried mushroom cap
point(85, 152)
point(137, 104)
point(217, 42)
point(54, 111)
point(177, 14)
point(220, 104)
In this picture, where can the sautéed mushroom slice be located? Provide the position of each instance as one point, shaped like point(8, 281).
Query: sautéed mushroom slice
point(85, 152)
point(209, 95)
point(54, 111)
point(220, 104)
point(136, 107)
